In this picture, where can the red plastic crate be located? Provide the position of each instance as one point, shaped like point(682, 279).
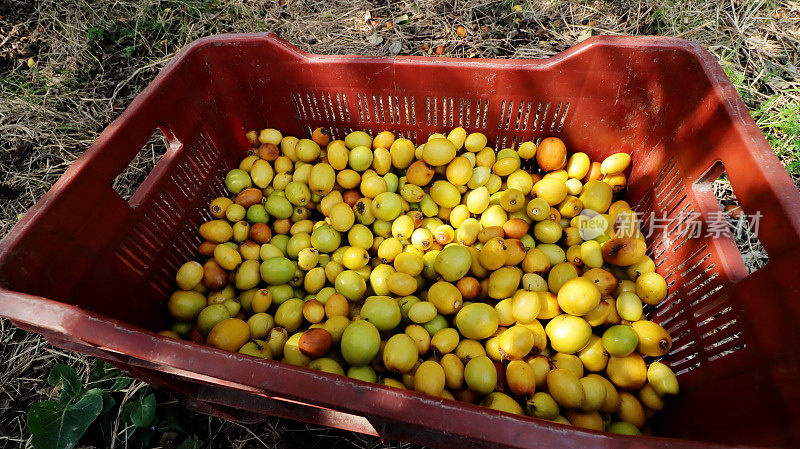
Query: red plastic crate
point(91, 271)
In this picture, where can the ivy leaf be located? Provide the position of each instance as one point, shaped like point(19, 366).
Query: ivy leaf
point(105, 413)
point(108, 377)
point(120, 383)
point(55, 425)
point(99, 368)
point(66, 375)
point(142, 410)
point(108, 401)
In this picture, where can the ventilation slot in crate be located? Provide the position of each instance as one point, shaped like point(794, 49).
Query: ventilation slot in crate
point(504, 141)
point(730, 221)
point(667, 214)
point(299, 107)
point(463, 112)
point(160, 222)
point(410, 111)
point(697, 308)
point(330, 108)
point(440, 112)
point(661, 211)
point(339, 132)
point(505, 114)
point(127, 183)
point(341, 102)
point(448, 112)
point(481, 112)
point(521, 116)
point(322, 107)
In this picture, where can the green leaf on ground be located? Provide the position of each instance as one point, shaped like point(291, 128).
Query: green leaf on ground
point(108, 401)
point(142, 410)
point(106, 376)
point(66, 375)
point(55, 425)
point(121, 382)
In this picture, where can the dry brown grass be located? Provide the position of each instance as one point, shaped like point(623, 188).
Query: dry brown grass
point(89, 59)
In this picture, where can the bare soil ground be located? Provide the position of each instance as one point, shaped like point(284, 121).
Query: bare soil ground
point(68, 68)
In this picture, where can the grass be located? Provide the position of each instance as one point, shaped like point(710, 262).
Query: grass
point(67, 69)
point(782, 118)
